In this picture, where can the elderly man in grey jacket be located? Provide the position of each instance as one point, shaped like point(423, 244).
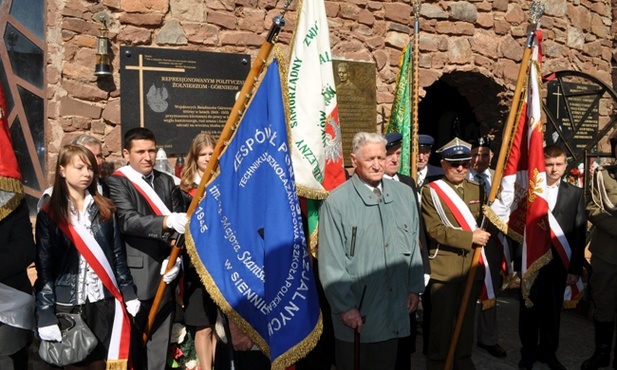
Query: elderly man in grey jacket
point(369, 259)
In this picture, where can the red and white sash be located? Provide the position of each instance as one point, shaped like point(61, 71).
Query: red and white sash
point(86, 244)
point(442, 192)
point(573, 292)
point(153, 199)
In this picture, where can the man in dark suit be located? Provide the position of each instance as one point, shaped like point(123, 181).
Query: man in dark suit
point(148, 206)
point(407, 345)
point(426, 172)
point(539, 324)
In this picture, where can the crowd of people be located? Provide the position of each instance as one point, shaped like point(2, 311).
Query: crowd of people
point(388, 244)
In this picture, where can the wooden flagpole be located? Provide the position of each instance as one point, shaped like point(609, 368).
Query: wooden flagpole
point(536, 11)
point(415, 92)
point(234, 116)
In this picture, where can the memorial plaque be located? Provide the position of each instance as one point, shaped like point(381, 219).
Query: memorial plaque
point(581, 99)
point(179, 93)
point(356, 98)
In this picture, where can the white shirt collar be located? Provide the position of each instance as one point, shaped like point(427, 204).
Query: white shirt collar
point(395, 177)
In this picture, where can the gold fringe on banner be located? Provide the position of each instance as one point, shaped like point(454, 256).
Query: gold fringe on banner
point(531, 274)
point(10, 185)
point(292, 356)
point(502, 226)
point(313, 241)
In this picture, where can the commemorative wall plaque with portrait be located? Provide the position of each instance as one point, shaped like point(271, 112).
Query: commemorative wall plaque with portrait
point(179, 93)
point(356, 98)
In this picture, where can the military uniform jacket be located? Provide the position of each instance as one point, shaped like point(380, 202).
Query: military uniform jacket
point(604, 234)
point(450, 249)
point(372, 243)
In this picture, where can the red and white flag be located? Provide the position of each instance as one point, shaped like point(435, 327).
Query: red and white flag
point(522, 206)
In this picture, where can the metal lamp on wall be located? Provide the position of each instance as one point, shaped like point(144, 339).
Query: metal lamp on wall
point(103, 65)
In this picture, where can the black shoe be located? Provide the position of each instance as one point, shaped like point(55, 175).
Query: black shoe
point(525, 363)
point(494, 350)
point(553, 363)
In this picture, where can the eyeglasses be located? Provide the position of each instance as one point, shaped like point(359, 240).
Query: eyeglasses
point(465, 164)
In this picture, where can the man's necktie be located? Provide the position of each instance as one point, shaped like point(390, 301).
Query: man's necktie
point(377, 192)
point(149, 179)
point(481, 181)
point(420, 179)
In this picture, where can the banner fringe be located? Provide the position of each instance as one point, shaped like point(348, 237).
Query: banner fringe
point(500, 224)
point(531, 274)
point(11, 185)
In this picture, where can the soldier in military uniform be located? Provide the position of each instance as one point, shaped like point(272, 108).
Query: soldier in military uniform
point(602, 212)
point(451, 207)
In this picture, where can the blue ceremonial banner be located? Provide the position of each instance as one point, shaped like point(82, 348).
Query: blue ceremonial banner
point(246, 238)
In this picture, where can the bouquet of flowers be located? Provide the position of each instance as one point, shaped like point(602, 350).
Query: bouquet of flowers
point(182, 353)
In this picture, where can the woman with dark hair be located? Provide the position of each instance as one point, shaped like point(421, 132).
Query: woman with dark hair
point(80, 262)
point(199, 309)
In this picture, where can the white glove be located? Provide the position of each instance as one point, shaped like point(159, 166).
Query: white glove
point(132, 307)
point(427, 278)
point(173, 273)
point(50, 333)
point(176, 221)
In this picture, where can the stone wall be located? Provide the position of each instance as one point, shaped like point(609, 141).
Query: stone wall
point(482, 37)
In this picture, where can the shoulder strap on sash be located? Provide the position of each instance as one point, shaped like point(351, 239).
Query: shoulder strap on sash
point(153, 199)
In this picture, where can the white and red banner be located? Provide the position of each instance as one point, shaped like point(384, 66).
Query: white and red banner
point(317, 151)
point(522, 206)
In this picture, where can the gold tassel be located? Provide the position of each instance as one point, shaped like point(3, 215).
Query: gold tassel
point(573, 302)
point(489, 303)
point(116, 365)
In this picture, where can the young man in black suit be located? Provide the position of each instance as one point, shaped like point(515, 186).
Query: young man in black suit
point(148, 208)
point(539, 324)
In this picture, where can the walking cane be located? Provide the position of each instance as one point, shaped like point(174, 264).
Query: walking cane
point(356, 336)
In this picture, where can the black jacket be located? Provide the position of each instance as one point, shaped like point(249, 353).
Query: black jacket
point(407, 180)
point(145, 239)
point(57, 264)
point(17, 249)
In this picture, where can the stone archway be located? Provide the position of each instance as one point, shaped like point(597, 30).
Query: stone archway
point(464, 104)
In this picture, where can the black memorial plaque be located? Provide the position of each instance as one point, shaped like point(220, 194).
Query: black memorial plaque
point(179, 93)
point(575, 109)
point(356, 99)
